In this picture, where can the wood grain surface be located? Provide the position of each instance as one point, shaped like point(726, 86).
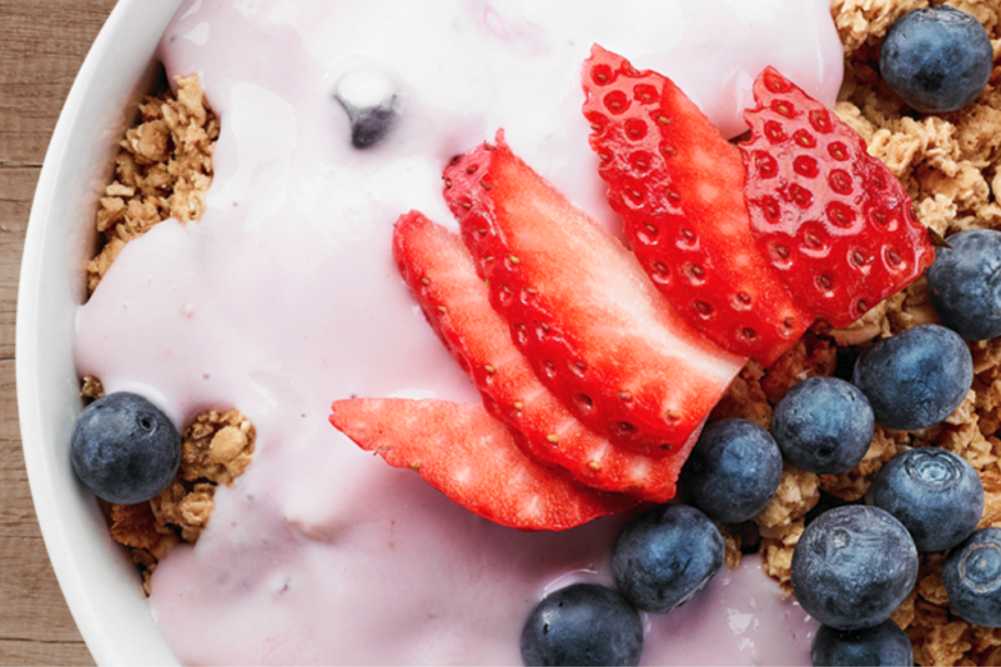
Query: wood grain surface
point(42, 45)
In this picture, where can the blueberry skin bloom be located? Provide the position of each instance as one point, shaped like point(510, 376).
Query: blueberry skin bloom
point(917, 378)
point(124, 449)
point(664, 555)
point(582, 624)
point(937, 59)
point(823, 425)
point(853, 566)
point(937, 495)
point(884, 645)
point(733, 470)
point(964, 283)
point(972, 578)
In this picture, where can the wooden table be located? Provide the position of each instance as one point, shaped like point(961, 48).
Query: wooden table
point(42, 45)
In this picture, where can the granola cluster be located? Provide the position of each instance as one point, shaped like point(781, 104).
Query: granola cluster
point(216, 448)
point(950, 164)
point(163, 170)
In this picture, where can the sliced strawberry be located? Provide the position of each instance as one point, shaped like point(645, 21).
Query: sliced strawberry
point(472, 458)
point(440, 272)
point(594, 328)
point(678, 186)
point(832, 220)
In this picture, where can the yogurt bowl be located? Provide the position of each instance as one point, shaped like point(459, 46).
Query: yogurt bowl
point(285, 532)
point(95, 574)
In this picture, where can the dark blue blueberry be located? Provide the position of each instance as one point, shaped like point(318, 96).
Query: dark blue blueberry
point(124, 448)
point(917, 378)
point(582, 624)
point(964, 283)
point(853, 566)
point(370, 96)
point(823, 425)
point(937, 59)
point(882, 645)
point(733, 471)
point(972, 578)
point(664, 555)
point(936, 494)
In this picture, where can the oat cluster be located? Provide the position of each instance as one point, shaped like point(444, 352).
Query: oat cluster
point(216, 448)
point(163, 170)
point(950, 165)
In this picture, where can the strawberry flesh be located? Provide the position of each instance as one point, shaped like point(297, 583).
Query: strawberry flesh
point(593, 327)
point(832, 221)
point(678, 186)
point(442, 277)
point(471, 457)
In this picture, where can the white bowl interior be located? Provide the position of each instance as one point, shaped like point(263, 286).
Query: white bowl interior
point(100, 583)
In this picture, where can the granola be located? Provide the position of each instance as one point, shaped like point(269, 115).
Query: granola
point(163, 170)
point(949, 164)
point(216, 447)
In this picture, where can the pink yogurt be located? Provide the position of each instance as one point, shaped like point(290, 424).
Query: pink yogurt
point(284, 298)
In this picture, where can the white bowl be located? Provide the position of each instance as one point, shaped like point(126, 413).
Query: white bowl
point(100, 583)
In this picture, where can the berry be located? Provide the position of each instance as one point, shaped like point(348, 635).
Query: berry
point(462, 451)
point(937, 59)
point(853, 566)
point(440, 273)
point(832, 220)
point(917, 378)
point(964, 283)
point(833, 229)
point(823, 425)
point(733, 471)
point(936, 494)
point(665, 555)
point(124, 449)
point(972, 578)
point(582, 624)
point(580, 308)
point(883, 644)
point(369, 95)
point(678, 185)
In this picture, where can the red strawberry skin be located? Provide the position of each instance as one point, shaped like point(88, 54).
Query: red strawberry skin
point(678, 186)
point(472, 458)
point(833, 221)
point(442, 277)
point(595, 330)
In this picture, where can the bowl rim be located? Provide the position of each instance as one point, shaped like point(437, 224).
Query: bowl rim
point(114, 634)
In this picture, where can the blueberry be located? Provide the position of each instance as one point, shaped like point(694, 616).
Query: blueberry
point(664, 555)
point(582, 624)
point(917, 378)
point(972, 578)
point(733, 471)
point(370, 96)
point(936, 494)
point(853, 566)
point(883, 644)
point(964, 283)
point(124, 449)
point(823, 425)
point(937, 59)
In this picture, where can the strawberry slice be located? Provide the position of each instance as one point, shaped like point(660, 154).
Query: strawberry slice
point(678, 186)
point(471, 457)
point(593, 327)
point(440, 272)
point(833, 221)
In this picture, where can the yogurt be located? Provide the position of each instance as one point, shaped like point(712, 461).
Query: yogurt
point(284, 297)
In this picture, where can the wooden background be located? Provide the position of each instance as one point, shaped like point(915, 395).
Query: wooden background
point(42, 45)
